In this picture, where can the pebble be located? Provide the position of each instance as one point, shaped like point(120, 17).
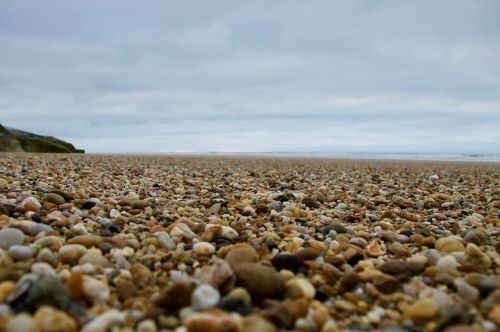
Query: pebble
point(104, 321)
point(86, 240)
point(155, 243)
point(466, 291)
point(204, 296)
point(54, 198)
point(10, 237)
point(146, 325)
point(165, 240)
point(421, 310)
point(475, 259)
point(45, 289)
point(299, 287)
point(48, 319)
point(212, 322)
point(20, 253)
point(71, 253)
point(31, 204)
point(21, 323)
point(374, 249)
point(240, 255)
point(288, 262)
point(260, 280)
point(476, 236)
point(254, 323)
point(95, 290)
point(338, 228)
point(203, 248)
point(449, 245)
point(5, 288)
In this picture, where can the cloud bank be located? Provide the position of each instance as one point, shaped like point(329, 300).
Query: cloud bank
point(157, 76)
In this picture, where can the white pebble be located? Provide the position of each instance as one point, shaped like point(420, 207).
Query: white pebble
point(203, 248)
point(104, 321)
point(204, 296)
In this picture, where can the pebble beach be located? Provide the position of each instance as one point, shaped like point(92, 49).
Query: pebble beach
point(251, 244)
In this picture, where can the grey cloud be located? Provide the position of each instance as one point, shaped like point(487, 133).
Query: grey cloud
point(254, 76)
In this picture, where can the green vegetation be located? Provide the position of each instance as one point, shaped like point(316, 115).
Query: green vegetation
point(13, 140)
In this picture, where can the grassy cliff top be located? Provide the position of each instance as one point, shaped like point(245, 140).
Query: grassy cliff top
point(14, 140)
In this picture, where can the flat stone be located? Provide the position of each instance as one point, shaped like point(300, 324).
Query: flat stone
point(421, 310)
point(449, 245)
point(86, 240)
point(10, 237)
point(54, 198)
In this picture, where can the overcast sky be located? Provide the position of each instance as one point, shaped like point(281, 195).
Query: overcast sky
point(158, 76)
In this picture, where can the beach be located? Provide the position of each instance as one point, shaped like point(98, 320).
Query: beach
point(248, 243)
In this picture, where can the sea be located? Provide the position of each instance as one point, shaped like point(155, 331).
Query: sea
point(470, 157)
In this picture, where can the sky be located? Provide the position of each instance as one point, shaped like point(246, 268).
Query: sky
point(254, 76)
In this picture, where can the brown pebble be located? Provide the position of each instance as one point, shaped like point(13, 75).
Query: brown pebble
point(54, 198)
point(259, 280)
point(241, 254)
point(86, 240)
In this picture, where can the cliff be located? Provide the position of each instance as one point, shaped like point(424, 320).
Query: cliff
point(14, 140)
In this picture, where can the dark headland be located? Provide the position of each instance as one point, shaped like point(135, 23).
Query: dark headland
point(14, 140)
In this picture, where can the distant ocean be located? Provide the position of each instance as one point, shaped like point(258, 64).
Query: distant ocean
point(472, 157)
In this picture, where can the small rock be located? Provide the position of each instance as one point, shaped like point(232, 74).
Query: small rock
point(241, 254)
point(20, 253)
point(30, 294)
point(10, 237)
point(165, 240)
point(235, 304)
point(212, 322)
point(476, 236)
point(114, 213)
point(104, 321)
point(338, 228)
point(54, 198)
point(449, 245)
point(176, 296)
point(140, 204)
point(311, 203)
point(475, 259)
point(203, 248)
point(5, 288)
point(466, 291)
point(31, 204)
point(255, 323)
point(374, 249)
point(94, 257)
point(288, 262)
point(386, 284)
point(494, 315)
point(56, 216)
point(21, 323)
point(146, 325)
point(260, 280)
point(395, 267)
point(86, 240)
point(71, 253)
point(299, 287)
point(460, 328)
point(95, 290)
point(422, 310)
point(48, 319)
point(204, 296)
